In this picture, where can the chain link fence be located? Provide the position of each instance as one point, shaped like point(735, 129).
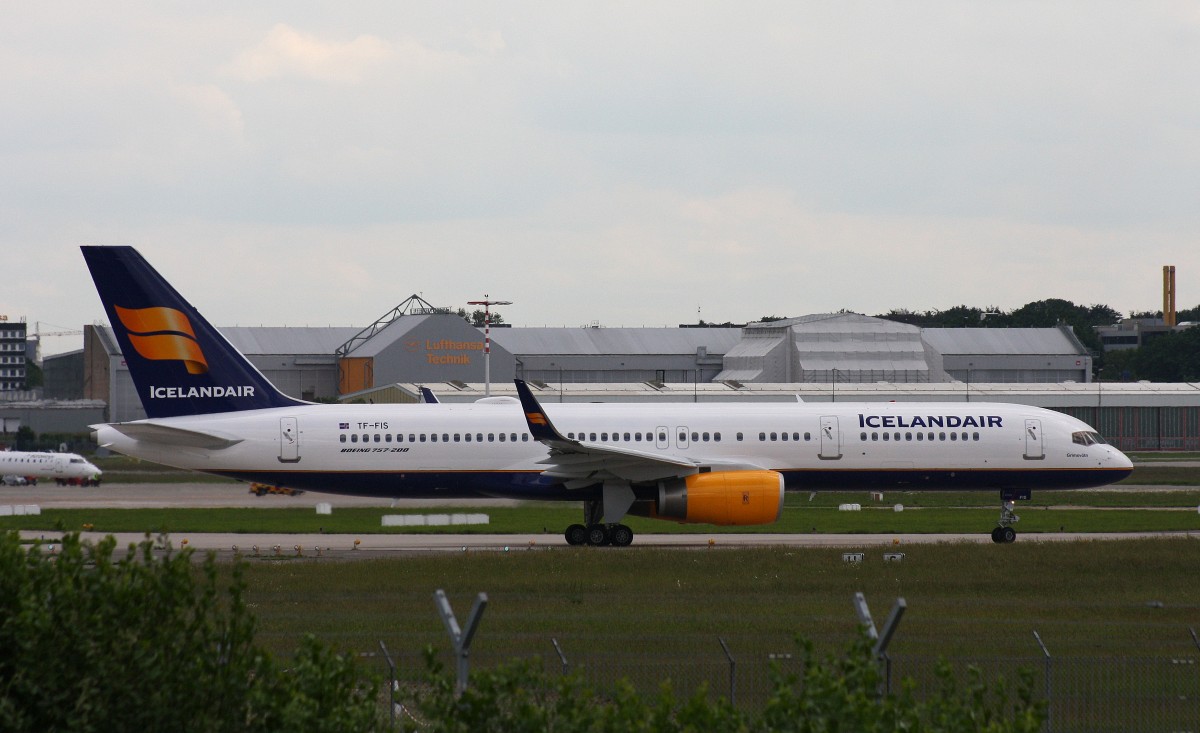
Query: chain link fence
point(1093, 694)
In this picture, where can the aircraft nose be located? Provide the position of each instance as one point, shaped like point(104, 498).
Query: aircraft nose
point(1121, 459)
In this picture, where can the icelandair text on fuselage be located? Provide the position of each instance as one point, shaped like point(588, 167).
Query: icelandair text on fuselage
point(187, 393)
point(930, 421)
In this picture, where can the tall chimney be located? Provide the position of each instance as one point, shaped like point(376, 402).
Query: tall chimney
point(1169, 295)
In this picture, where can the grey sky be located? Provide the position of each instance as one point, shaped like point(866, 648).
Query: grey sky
point(622, 163)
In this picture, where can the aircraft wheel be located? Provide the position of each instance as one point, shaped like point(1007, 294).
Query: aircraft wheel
point(996, 535)
point(597, 535)
point(1008, 535)
point(577, 534)
point(621, 535)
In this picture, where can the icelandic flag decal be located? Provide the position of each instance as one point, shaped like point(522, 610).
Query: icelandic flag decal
point(343, 426)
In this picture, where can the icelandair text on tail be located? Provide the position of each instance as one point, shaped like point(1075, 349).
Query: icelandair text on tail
point(185, 393)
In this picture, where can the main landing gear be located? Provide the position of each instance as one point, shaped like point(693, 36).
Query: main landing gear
point(1004, 533)
point(596, 532)
point(617, 535)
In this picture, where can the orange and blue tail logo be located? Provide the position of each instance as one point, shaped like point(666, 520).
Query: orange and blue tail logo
point(163, 334)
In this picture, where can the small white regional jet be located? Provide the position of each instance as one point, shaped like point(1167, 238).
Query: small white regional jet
point(210, 410)
point(62, 467)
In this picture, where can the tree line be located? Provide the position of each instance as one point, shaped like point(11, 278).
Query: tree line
point(1170, 357)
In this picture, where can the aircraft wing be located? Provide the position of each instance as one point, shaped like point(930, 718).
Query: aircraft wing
point(153, 432)
point(578, 463)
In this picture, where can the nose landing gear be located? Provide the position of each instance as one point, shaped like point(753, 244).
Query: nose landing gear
point(1004, 533)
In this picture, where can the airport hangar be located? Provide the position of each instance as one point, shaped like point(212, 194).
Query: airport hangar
point(826, 357)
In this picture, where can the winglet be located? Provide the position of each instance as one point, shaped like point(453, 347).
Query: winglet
point(428, 397)
point(540, 426)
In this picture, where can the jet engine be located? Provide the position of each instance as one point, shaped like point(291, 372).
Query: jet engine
point(722, 497)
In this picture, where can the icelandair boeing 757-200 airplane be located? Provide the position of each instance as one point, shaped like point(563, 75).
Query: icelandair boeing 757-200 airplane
point(209, 409)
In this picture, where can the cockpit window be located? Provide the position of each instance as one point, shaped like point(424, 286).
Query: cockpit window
point(1087, 437)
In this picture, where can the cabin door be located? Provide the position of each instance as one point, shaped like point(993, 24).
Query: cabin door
point(831, 438)
point(1034, 450)
point(289, 440)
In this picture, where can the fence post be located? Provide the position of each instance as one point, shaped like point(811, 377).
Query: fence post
point(561, 657)
point(1049, 686)
point(732, 672)
point(881, 640)
point(459, 638)
point(393, 684)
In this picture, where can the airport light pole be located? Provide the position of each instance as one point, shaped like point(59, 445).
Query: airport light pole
point(487, 303)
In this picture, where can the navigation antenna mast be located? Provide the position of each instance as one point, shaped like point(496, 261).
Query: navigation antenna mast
point(487, 303)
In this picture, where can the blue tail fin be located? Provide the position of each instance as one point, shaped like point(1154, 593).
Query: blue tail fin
point(180, 364)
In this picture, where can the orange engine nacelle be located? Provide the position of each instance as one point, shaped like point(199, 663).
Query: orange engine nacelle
point(726, 497)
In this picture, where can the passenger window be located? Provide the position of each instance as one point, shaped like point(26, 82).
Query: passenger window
point(593, 436)
point(704, 437)
point(808, 436)
point(512, 437)
point(740, 437)
point(387, 438)
point(468, 437)
point(603, 437)
point(433, 437)
point(695, 437)
point(887, 436)
point(626, 437)
point(457, 437)
point(501, 437)
point(354, 438)
point(762, 437)
point(716, 437)
point(491, 437)
point(784, 436)
point(342, 437)
point(773, 437)
point(862, 437)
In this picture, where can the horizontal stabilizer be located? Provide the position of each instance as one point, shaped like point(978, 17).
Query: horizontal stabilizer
point(151, 432)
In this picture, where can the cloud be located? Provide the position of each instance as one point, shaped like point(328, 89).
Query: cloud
point(288, 52)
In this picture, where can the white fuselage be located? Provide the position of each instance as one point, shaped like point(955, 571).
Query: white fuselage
point(445, 449)
point(46, 465)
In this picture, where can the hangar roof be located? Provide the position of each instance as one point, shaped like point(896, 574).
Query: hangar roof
point(1001, 341)
point(254, 340)
point(616, 340)
point(288, 339)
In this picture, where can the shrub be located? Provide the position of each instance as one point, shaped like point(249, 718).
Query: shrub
point(150, 642)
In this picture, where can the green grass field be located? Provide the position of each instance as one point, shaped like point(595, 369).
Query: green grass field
point(1102, 607)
